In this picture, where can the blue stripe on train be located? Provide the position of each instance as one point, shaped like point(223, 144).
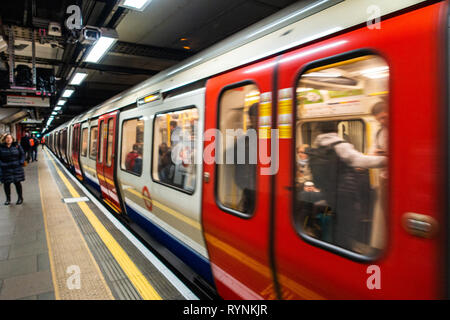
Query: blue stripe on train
point(92, 184)
point(193, 259)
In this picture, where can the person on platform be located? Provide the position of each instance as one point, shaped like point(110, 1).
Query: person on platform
point(34, 142)
point(25, 144)
point(12, 158)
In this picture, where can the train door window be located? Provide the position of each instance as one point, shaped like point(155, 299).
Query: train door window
point(174, 143)
point(100, 143)
point(341, 155)
point(236, 178)
point(74, 139)
point(84, 142)
point(93, 143)
point(110, 142)
point(132, 146)
point(76, 145)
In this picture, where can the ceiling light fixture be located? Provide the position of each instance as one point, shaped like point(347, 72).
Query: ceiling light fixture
point(68, 92)
point(323, 75)
point(376, 73)
point(61, 102)
point(102, 45)
point(78, 78)
point(138, 5)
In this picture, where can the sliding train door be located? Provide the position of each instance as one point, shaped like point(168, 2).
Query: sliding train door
point(106, 160)
point(236, 185)
point(76, 134)
point(364, 227)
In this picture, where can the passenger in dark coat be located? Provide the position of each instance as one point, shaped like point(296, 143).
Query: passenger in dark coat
point(12, 158)
point(25, 143)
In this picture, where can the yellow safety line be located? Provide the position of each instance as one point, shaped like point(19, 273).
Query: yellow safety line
point(174, 213)
point(138, 280)
point(47, 237)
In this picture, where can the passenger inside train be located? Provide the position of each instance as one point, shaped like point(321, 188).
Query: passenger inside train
point(341, 160)
point(133, 146)
point(238, 122)
point(133, 161)
point(175, 154)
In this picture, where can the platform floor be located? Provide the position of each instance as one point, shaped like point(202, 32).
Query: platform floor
point(61, 244)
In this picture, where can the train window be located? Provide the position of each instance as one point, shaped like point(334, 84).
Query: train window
point(132, 146)
point(93, 143)
point(341, 155)
point(236, 180)
point(84, 142)
point(174, 143)
point(102, 139)
point(110, 142)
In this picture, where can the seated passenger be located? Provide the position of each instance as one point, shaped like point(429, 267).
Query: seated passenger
point(165, 165)
point(303, 171)
point(131, 158)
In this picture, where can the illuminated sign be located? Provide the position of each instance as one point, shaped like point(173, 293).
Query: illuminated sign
point(26, 101)
point(150, 98)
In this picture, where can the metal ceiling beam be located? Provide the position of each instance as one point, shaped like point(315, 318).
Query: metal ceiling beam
point(134, 49)
point(109, 68)
point(85, 65)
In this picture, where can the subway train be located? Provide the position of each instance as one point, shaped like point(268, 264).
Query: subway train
point(331, 76)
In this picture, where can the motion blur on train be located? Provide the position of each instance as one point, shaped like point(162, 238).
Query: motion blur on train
point(347, 198)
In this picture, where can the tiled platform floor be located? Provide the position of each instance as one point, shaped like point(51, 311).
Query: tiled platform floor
point(24, 262)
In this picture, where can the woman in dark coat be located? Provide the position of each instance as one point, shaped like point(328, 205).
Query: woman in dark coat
point(12, 158)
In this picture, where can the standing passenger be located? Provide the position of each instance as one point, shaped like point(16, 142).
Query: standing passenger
point(25, 143)
point(12, 158)
point(342, 184)
point(245, 173)
point(34, 147)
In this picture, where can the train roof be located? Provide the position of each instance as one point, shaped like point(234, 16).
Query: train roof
point(293, 26)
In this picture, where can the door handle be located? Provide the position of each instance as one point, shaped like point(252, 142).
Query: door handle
point(419, 225)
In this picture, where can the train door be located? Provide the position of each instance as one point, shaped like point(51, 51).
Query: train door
point(236, 201)
point(106, 161)
point(76, 150)
point(362, 225)
point(69, 147)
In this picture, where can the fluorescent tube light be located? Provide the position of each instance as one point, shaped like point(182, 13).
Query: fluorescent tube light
point(61, 102)
point(135, 4)
point(78, 78)
point(57, 108)
point(323, 75)
point(67, 93)
point(99, 49)
point(376, 73)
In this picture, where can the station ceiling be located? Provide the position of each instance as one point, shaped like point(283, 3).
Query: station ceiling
point(165, 33)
